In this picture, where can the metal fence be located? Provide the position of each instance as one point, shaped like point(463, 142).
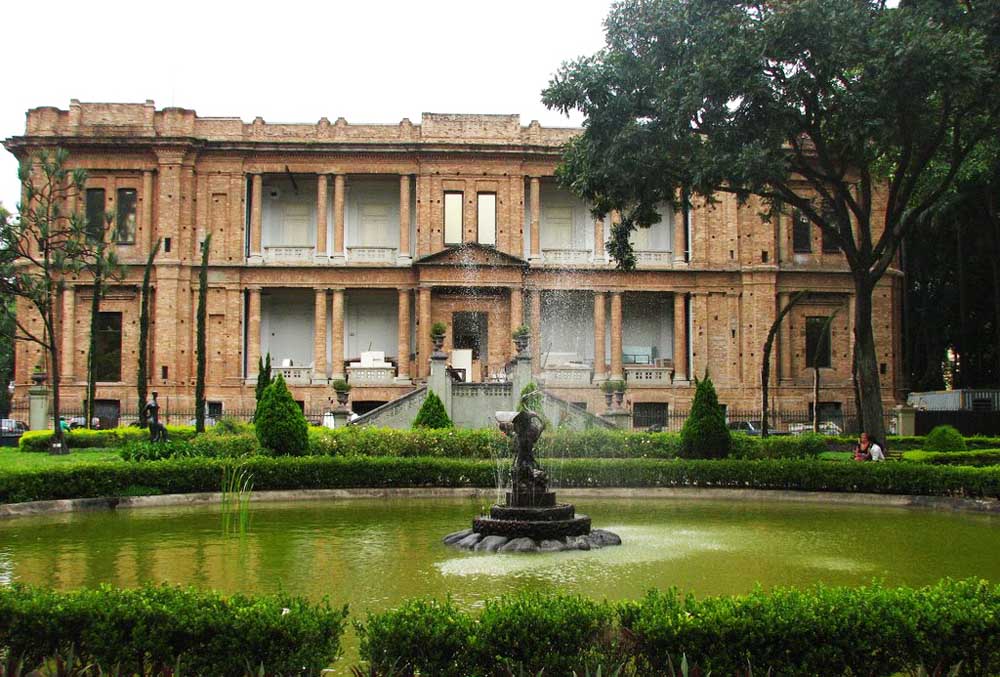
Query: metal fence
point(76, 417)
point(780, 421)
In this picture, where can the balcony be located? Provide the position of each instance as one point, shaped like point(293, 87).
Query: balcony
point(649, 375)
point(560, 257)
point(646, 258)
point(287, 254)
point(371, 370)
point(363, 255)
point(295, 375)
point(567, 375)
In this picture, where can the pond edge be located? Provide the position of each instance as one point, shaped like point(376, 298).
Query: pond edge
point(827, 497)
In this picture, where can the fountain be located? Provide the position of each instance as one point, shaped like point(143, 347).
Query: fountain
point(531, 520)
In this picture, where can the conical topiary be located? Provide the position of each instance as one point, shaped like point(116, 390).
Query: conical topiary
point(280, 424)
point(432, 414)
point(705, 434)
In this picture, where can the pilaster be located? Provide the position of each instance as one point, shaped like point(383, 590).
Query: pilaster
point(600, 340)
point(321, 191)
point(617, 374)
point(403, 338)
point(338, 221)
point(337, 353)
point(319, 337)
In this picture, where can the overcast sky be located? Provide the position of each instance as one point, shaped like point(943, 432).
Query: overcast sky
point(364, 60)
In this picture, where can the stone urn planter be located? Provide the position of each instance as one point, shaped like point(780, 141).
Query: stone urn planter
point(522, 336)
point(438, 330)
point(38, 376)
point(342, 390)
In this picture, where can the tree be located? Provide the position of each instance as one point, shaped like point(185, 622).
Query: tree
point(835, 108)
point(263, 380)
point(199, 388)
point(43, 246)
point(765, 360)
point(432, 413)
point(705, 434)
point(101, 272)
point(142, 372)
point(280, 424)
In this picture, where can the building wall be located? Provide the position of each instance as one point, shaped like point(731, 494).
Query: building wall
point(198, 175)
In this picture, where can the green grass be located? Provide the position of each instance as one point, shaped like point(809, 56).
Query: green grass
point(12, 459)
point(836, 456)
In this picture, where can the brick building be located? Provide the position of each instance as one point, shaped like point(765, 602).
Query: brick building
point(330, 240)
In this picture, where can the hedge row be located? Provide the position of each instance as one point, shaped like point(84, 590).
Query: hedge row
point(978, 458)
point(164, 630)
point(818, 631)
point(83, 438)
point(190, 475)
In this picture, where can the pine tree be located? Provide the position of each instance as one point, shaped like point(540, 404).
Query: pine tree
point(705, 434)
point(280, 424)
point(142, 377)
point(432, 414)
point(263, 380)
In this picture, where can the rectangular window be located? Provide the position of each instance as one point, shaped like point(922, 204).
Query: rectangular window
point(95, 213)
point(108, 347)
point(453, 217)
point(215, 410)
point(817, 342)
point(470, 331)
point(486, 218)
point(125, 217)
point(829, 245)
point(650, 415)
point(801, 233)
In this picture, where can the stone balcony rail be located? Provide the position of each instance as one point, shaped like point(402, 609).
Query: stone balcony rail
point(647, 375)
point(295, 375)
point(565, 256)
point(287, 254)
point(363, 255)
point(370, 376)
point(567, 375)
point(654, 259)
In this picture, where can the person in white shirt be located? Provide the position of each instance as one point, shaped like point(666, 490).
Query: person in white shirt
point(868, 449)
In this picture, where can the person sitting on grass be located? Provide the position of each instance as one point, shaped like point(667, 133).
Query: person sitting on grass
point(868, 449)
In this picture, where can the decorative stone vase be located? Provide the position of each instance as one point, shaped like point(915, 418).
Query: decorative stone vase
point(521, 343)
point(607, 399)
point(38, 377)
point(619, 396)
point(342, 396)
point(438, 342)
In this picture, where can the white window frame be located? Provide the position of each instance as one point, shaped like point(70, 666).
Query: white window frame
point(454, 203)
point(486, 218)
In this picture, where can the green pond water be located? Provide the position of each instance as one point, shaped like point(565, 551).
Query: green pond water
point(374, 553)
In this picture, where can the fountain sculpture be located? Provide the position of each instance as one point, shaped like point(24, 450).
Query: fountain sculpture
point(531, 520)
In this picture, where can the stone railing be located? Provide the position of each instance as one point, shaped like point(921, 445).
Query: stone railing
point(285, 254)
point(295, 375)
point(649, 258)
point(565, 256)
point(370, 376)
point(644, 375)
point(371, 255)
point(567, 375)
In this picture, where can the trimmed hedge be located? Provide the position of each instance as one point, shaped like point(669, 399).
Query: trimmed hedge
point(156, 630)
point(978, 458)
point(944, 438)
point(191, 475)
point(444, 443)
point(83, 438)
point(208, 445)
point(817, 631)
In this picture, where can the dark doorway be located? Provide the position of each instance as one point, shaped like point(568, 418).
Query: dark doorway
point(107, 412)
point(469, 331)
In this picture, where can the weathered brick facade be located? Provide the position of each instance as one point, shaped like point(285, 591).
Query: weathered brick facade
point(723, 273)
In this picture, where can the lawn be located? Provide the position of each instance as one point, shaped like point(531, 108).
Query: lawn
point(12, 459)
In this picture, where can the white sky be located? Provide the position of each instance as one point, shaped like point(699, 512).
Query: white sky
point(364, 60)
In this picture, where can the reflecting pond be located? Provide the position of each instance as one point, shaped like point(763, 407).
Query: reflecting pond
point(373, 553)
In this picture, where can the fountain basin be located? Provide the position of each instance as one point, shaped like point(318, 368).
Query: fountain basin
point(535, 529)
point(591, 539)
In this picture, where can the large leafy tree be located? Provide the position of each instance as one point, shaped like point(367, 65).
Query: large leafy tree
point(44, 245)
point(833, 107)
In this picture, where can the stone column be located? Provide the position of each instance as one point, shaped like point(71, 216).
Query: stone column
point(403, 255)
point(600, 254)
point(68, 335)
point(403, 335)
point(337, 354)
point(600, 332)
point(256, 209)
point(319, 337)
point(784, 340)
point(338, 219)
point(616, 336)
point(516, 313)
point(535, 225)
point(147, 210)
point(536, 332)
point(680, 338)
point(424, 337)
point(679, 237)
point(321, 187)
point(253, 332)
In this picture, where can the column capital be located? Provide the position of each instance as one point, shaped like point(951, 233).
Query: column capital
point(253, 287)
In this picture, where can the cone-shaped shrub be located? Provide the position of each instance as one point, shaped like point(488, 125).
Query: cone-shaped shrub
point(432, 414)
point(705, 434)
point(280, 423)
point(944, 438)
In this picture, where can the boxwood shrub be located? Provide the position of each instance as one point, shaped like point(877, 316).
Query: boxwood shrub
point(83, 438)
point(157, 630)
point(944, 438)
point(978, 458)
point(191, 475)
point(817, 631)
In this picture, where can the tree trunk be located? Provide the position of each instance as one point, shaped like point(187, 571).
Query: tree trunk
point(866, 368)
point(95, 309)
point(815, 400)
point(964, 346)
point(765, 367)
point(199, 388)
point(54, 369)
point(143, 356)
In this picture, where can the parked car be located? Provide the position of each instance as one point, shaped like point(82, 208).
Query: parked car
point(745, 427)
point(11, 431)
point(209, 422)
point(825, 428)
